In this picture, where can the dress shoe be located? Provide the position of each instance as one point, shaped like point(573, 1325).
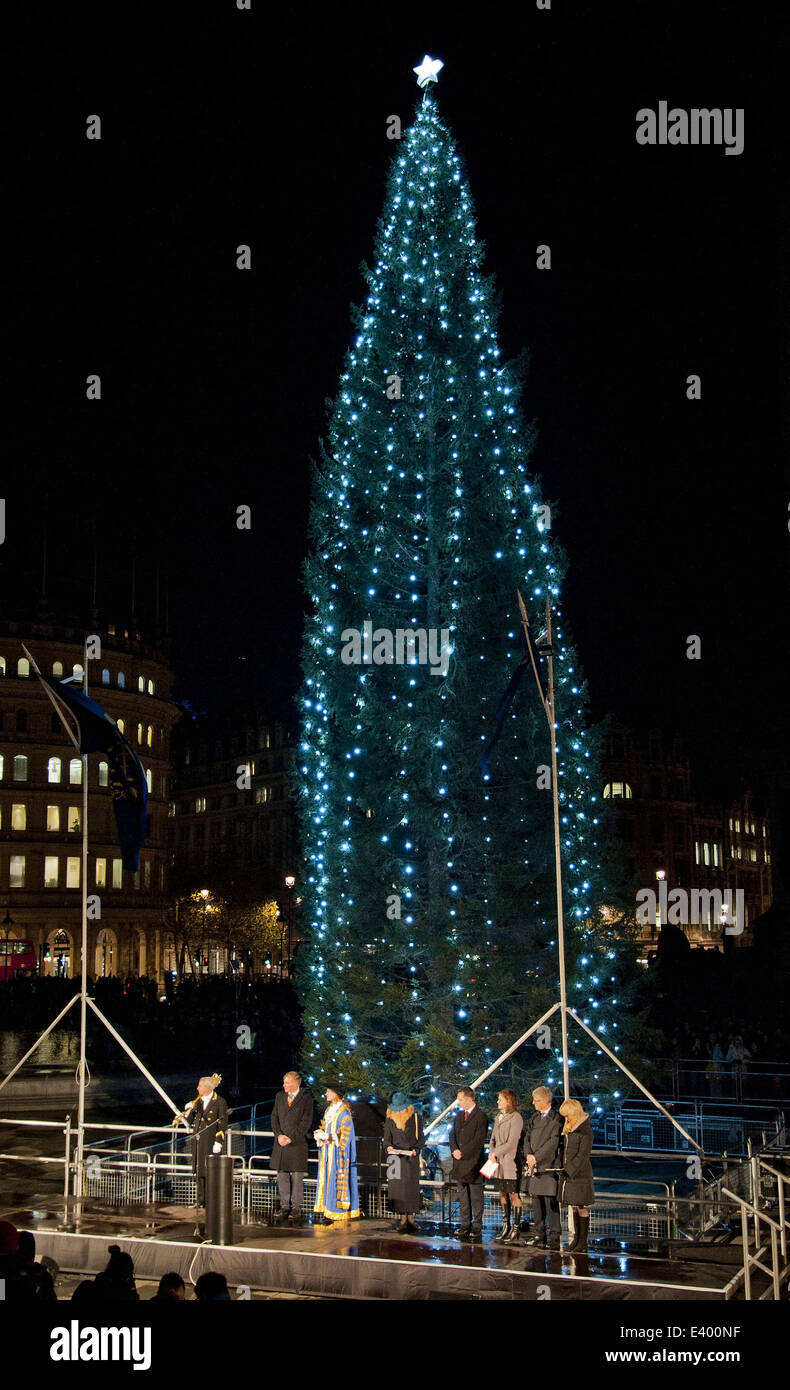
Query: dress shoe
point(463, 1233)
point(554, 1243)
point(475, 1233)
point(280, 1217)
point(294, 1218)
point(537, 1240)
point(513, 1236)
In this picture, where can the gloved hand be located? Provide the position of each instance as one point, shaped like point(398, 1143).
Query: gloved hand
point(217, 1149)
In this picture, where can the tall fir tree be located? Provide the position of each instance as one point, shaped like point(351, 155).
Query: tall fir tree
point(430, 893)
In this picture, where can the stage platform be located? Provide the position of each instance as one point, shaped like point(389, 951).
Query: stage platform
point(368, 1259)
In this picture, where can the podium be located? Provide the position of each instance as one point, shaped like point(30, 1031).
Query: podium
point(219, 1199)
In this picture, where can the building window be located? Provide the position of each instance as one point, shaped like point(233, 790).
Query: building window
point(120, 725)
point(200, 804)
point(716, 856)
point(21, 721)
point(23, 666)
point(615, 789)
point(737, 826)
point(16, 873)
point(2, 665)
point(105, 677)
point(19, 816)
point(75, 820)
point(171, 810)
point(141, 682)
point(101, 873)
point(264, 739)
point(51, 870)
point(136, 879)
point(705, 852)
point(73, 871)
point(149, 735)
point(53, 770)
point(117, 873)
point(121, 680)
point(20, 767)
point(75, 771)
point(149, 780)
point(53, 818)
point(150, 687)
point(57, 668)
point(104, 775)
point(696, 851)
point(139, 733)
point(2, 761)
point(147, 873)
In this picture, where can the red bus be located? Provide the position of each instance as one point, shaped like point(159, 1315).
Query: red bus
point(17, 958)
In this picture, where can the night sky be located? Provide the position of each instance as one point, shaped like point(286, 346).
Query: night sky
point(223, 127)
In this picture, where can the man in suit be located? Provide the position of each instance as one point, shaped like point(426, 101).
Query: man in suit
point(292, 1121)
point(467, 1144)
point(208, 1115)
point(542, 1144)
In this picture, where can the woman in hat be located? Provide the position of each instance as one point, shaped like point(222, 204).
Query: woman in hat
point(337, 1192)
point(403, 1138)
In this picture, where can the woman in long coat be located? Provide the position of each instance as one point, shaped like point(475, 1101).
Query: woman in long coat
point(337, 1192)
point(578, 1185)
point(504, 1147)
point(403, 1130)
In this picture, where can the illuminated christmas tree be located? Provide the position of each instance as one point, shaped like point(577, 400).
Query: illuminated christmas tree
point(431, 942)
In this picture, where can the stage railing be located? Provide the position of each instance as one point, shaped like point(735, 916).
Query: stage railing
point(754, 1218)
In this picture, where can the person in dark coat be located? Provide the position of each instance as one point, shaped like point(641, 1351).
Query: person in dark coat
point(403, 1130)
point(542, 1147)
point(116, 1283)
point(467, 1143)
point(292, 1121)
point(578, 1184)
point(208, 1116)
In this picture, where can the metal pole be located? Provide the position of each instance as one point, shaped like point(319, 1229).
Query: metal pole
point(638, 1083)
point(134, 1057)
point(747, 1273)
point(68, 1157)
point(40, 1039)
point(84, 983)
point(558, 861)
point(495, 1065)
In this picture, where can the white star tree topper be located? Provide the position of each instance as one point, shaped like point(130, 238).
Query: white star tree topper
point(428, 71)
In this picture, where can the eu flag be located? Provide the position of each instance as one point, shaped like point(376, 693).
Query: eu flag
point(98, 733)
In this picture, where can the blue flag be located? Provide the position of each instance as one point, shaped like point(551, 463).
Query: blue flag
point(98, 733)
point(531, 660)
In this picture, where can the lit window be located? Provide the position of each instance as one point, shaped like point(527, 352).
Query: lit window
point(105, 677)
point(139, 733)
point(737, 827)
point(75, 771)
point(16, 872)
point(120, 724)
point(53, 818)
point(706, 852)
point(121, 680)
point(200, 803)
point(696, 851)
point(2, 665)
point(19, 816)
point(2, 764)
point(614, 789)
point(75, 819)
point(150, 687)
point(57, 668)
point(101, 873)
point(716, 855)
point(20, 767)
point(51, 869)
point(262, 794)
point(149, 735)
point(78, 670)
point(53, 770)
point(104, 774)
point(73, 871)
point(117, 873)
point(141, 682)
point(23, 666)
point(149, 780)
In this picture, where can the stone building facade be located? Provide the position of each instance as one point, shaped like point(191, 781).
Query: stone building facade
point(41, 801)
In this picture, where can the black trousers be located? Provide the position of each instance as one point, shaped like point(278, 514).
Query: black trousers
point(544, 1207)
point(470, 1200)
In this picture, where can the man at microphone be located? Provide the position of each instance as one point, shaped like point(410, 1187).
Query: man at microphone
point(208, 1116)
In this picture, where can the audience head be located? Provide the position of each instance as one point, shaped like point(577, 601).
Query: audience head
point(171, 1286)
point(211, 1287)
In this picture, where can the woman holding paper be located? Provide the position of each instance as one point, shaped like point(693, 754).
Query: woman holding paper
point(504, 1151)
point(402, 1139)
point(337, 1192)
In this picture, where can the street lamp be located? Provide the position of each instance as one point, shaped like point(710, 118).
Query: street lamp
point(289, 883)
point(204, 893)
point(660, 875)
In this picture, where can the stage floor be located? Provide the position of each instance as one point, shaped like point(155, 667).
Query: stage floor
point(368, 1259)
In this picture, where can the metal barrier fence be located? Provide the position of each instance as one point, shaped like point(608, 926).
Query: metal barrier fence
point(632, 1125)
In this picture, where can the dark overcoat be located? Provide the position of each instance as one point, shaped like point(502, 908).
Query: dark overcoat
point(295, 1121)
point(542, 1137)
point(469, 1136)
point(579, 1186)
point(209, 1126)
point(403, 1173)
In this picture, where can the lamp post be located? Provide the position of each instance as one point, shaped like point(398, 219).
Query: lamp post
point(289, 883)
point(204, 895)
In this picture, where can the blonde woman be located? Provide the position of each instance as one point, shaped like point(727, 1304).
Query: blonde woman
point(403, 1138)
point(577, 1188)
point(503, 1147)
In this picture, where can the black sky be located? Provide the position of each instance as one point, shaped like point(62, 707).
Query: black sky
point(223, 127)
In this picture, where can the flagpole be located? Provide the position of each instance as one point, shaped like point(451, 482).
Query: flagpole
point(558, 861)
point(84, 953)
